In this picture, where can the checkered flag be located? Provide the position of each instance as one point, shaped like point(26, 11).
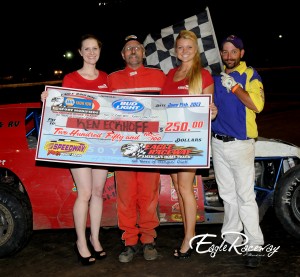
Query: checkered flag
point(160, 46)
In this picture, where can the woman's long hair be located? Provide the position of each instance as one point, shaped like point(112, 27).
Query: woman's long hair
point(194, 75)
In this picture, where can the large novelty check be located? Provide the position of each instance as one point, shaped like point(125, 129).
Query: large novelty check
point(124, 130)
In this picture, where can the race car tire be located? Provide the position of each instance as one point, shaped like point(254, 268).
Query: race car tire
point(287, 201)
point(15, 220)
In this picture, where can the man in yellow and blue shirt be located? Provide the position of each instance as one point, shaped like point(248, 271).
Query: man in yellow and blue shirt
point(239, 96)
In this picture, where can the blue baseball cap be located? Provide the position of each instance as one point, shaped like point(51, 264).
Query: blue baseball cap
point(236, 41)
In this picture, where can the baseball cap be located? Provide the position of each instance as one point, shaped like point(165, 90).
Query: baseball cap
point(236, 41)
point(131, 37)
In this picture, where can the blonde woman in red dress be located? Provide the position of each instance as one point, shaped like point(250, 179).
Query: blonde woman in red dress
point(188, 78)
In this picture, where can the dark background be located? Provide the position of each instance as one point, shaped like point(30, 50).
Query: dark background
point(36, 34)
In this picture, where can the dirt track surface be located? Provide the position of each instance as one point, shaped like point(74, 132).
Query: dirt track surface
point(280, 120)
point(50, 253)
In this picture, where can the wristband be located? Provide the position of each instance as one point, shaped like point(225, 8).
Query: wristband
point(234, 88)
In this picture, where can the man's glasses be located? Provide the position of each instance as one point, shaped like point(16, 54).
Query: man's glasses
point(135, 48)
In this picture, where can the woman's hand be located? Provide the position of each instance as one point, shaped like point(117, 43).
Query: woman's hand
point(214, 110)
point(44, 95)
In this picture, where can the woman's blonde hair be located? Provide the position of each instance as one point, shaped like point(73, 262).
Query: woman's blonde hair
point(194, 75)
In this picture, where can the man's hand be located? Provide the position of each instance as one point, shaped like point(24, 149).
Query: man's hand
point(227, 81)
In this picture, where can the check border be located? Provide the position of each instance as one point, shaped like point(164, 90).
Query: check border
point(125, 130)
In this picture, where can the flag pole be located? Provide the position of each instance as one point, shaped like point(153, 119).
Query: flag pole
point(214, 37)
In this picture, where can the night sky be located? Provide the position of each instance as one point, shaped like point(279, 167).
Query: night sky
point(37, 35)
